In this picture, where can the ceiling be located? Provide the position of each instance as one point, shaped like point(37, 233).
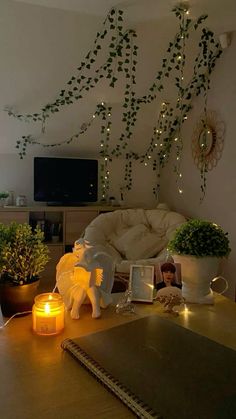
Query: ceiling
point(222, 13)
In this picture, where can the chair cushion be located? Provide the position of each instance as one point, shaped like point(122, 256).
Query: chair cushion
point(124, 265)
point(136, 235)
point(139, 242)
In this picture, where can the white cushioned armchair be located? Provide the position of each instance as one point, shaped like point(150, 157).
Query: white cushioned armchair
point(134, 236)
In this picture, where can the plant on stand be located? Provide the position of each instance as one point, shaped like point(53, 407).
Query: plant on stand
point(199, 246)
point(23, 256)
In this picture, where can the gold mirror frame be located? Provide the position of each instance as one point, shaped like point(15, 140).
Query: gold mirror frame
point(208, 140)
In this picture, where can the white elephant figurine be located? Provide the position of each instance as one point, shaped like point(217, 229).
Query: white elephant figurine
point(87, 271)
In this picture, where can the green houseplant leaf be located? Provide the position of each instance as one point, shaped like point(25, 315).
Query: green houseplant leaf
point(200, 238)
point(23, 254)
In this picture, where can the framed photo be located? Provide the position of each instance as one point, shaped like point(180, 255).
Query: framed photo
point(168, 274)
point(141, 283)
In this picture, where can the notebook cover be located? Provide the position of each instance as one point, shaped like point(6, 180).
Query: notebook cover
point(177, 373)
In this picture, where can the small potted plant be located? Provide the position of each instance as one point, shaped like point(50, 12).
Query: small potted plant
point(3, 197)
point(23, 256)
point(199, 246)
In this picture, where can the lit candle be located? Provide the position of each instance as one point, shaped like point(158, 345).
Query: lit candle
point(48, 314)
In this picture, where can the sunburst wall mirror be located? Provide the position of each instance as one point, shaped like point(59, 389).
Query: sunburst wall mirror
point(208, 140)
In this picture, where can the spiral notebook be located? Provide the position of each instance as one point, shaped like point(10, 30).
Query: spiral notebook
point(161, 370)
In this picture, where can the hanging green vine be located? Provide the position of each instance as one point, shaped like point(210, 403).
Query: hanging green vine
point(121, 59)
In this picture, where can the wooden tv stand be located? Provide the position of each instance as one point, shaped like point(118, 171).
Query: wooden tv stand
point(72, 221)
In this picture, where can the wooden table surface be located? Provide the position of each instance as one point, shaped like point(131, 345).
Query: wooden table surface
point(39, 380)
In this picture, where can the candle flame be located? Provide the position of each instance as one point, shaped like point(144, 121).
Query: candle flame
point(47, 308)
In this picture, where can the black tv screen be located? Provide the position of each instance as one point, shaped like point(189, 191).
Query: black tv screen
point(65, 181)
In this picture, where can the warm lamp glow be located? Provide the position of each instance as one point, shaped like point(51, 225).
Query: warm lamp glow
point(48, 314)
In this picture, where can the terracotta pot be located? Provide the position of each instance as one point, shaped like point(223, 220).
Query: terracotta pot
point(197, 275)
point(17, 298)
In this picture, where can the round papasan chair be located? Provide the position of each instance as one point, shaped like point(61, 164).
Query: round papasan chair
point(134, 236)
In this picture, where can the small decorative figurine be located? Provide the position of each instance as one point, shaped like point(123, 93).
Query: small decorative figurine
point(124, 305)
point(87, 271)
point(170, 297)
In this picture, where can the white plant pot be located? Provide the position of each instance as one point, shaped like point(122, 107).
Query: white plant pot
point(2, 202)
point(197, 274)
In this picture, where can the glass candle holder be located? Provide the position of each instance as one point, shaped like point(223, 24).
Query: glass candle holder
point(48, 314)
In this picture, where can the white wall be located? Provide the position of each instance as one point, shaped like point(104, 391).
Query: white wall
point(219, 204)
point(42, 48)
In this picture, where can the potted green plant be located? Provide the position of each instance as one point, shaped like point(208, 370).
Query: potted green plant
point(3, 197)
point(23, 256)
point(199, 245)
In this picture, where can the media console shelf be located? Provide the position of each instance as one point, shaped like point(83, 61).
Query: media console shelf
point(61, 226)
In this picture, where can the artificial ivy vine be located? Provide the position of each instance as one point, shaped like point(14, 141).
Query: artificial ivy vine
point(122, 59)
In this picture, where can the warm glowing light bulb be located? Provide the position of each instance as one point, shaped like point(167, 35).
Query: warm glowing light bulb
point(180, 175)
point(145, 164)
point(94, 116)
point(108, 129)
point(176, 138)
point(180, 191)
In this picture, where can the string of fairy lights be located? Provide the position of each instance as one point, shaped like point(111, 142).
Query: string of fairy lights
point(122, 60)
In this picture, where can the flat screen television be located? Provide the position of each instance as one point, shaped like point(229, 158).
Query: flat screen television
point(65, 181)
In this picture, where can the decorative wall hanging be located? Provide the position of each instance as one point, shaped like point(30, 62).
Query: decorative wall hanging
point(208, 141)
point(122, 59)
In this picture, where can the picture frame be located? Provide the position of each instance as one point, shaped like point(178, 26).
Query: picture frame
point(141, 283)
point(177, 279)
